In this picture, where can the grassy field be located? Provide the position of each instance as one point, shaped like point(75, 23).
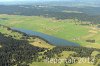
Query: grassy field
point(51, 64)
point(60, 64)
point(45, 64)
point(35, 42)
point(15, 35)
point(65, 29)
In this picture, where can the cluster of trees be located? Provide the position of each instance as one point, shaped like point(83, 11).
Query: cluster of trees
point(21, 53)
point(80, 51)
point(91, 41)
point(97, 58)
point(17, 52)
point(56, 12)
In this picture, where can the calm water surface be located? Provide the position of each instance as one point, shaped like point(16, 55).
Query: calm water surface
point(53, 40)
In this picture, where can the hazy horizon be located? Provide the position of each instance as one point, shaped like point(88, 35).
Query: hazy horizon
point(68, 2)
point(50, 0)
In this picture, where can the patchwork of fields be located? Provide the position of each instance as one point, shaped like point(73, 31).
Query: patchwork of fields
point(69, 29)
point(49, 33)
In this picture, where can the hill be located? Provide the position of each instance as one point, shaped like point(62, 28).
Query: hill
point(70, 29)
point(20, 49)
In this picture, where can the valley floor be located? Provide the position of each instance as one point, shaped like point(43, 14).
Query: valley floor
point(69, 29)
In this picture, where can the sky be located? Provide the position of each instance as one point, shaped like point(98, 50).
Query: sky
point(94, 1)
point(17, 0)
point(88, 2)
point(12, 0)
point(33, 0)
point(44, 0)
point(28, 0)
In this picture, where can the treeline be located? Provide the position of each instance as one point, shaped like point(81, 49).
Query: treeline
point(21, 53)
point(17, 52)
point(24, 35)
point(56, 12)
point(80, 51)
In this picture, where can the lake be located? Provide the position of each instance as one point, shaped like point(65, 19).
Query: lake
point(51, 39)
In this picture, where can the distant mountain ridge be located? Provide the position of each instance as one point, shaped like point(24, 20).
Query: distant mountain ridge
point(75, 3)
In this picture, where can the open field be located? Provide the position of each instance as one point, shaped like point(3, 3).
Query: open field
point(40, 43)
point(16, 35)
point(45, 64)
point(60, 64)
point(65, 29)
point(50, 33)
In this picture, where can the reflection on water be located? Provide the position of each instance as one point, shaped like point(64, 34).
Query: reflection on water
point(53, 40)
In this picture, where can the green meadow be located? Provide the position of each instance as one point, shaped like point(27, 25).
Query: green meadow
point(68, 29)
point(65, 29)
point(16, 35)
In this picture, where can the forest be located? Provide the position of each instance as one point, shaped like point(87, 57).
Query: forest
point(21, 53)
point(76, 24)
point(90, 14)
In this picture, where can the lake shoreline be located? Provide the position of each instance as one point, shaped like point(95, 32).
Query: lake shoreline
point(49, 39)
